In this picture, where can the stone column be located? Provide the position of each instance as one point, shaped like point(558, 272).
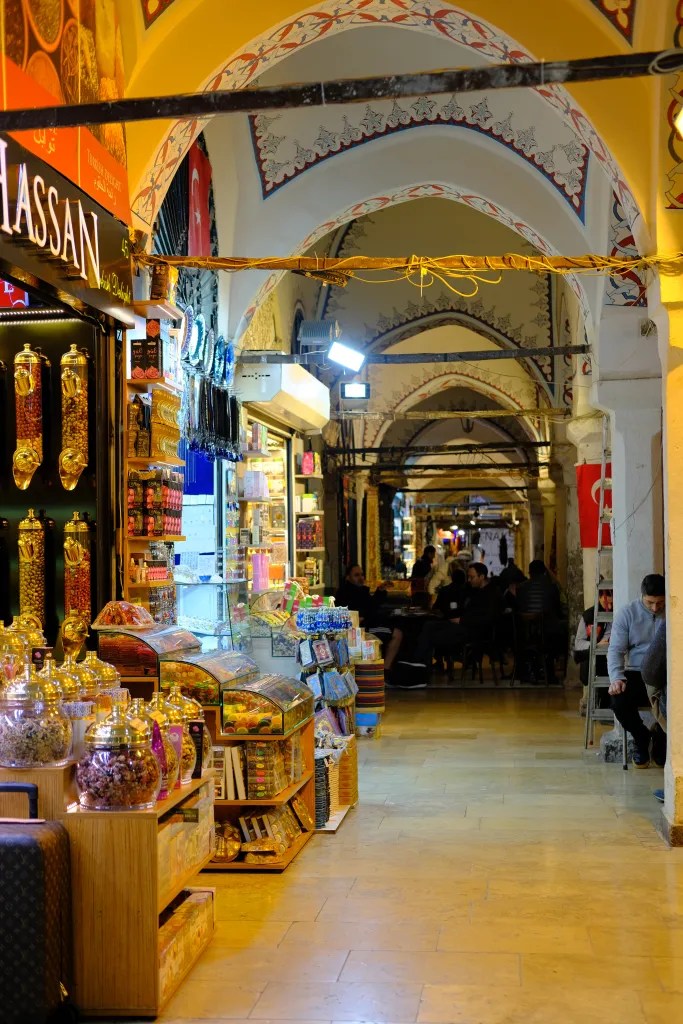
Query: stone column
point(635, 408)
point(673, 477)
point(547, 491)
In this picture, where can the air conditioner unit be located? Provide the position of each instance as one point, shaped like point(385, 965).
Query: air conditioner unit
point(318, 333)
point(285, 391)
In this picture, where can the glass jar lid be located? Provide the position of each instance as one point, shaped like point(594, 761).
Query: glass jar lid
point(69, 685)
point(31, 688)
point(158, 711)
point(191, 709)
point(118, 731)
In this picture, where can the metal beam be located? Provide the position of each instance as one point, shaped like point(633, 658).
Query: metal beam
point(465, 490)
point(351, 90)
point(455, 414)
point(439, 449)
point(381, 359)
point(407, 469)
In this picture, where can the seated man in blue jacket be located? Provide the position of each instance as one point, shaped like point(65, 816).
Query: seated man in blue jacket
point(632, 633)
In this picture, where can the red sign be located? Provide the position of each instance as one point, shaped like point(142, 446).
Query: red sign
point(199, 233)
point(588, 486)
point(12, 297)
point(68, 52)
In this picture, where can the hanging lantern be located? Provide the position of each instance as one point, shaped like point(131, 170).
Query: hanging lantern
point(73, 458)
point(28, 393)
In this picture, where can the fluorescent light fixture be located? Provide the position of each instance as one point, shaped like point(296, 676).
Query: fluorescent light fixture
point(355, 389)
point(344, 355)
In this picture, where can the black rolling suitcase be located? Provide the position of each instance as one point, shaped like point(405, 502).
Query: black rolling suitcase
point(35, 917)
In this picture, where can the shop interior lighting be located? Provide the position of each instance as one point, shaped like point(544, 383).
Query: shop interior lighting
point(344, 355)
point(355, 390)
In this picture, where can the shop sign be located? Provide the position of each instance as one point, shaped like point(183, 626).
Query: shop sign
point(54, 232)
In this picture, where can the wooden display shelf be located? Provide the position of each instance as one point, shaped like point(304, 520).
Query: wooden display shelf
point(256, 453)
point(318, 512)
point(159, 538)
point(117, 897)
point(184, 973)
point(151, 584)
point(157, 309)
point(159, 384)
point(166, 462)
point(308, 476)
point(56, 790)
point(287, 858)
point(182, 882)
point(273, 801)
point(336, 819)
point(310, 551)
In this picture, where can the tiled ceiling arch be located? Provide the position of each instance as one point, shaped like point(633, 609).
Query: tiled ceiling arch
point(327, 19)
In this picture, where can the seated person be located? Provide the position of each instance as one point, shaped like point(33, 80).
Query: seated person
point(422, 570)
point(450, 596)
point(407, 624)
point(582, 643)
point(472, 621)
point(540, 596)
point(355, 595)
point(633, 630)
point(653, 671)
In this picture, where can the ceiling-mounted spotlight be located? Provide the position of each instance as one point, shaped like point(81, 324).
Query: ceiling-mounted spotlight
point(473, 522)
point(344, 355)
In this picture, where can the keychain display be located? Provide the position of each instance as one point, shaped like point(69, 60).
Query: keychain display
point(28, 397)
point(73, 458)
point(32, 567)
point(77, 568)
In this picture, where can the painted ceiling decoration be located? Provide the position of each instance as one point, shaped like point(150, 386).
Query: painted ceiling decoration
point(153, 9)
point(413, 384)
point(674, 193)
point(288, 144)
point(327, 19)
point(421, 191)
point(630, 288)
point(621, 13)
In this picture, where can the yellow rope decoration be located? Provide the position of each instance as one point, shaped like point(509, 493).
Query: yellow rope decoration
point(459, 273)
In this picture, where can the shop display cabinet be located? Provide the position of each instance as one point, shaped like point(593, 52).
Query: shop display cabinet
point(216, 612)
point(310, 533)
point(131, 872)
point(202, 675)
point(271, 709)
point(135, 653)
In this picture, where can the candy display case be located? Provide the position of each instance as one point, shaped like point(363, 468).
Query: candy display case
point(271, 705)
point(203, 675)
point(135, 653)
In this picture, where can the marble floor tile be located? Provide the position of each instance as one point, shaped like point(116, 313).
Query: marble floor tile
point(493, 873)
point(340, 1001)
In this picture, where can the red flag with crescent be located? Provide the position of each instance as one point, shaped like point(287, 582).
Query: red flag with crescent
point(199, 232)
point(588, 487)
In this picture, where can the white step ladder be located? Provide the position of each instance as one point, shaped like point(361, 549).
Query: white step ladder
point(597, 684)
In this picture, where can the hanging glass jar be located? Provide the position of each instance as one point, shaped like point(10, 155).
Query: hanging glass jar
point(32, 567)
point(162, 748)
point(77, 568)
point(73, 458)
point(28, 399)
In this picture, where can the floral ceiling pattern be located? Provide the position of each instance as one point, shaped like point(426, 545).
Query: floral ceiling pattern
point(421, 191)
point(327, 19)
point(287, 144)
point(153, 9)
point(621, 13)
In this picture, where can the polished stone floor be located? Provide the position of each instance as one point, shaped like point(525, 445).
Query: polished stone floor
point(493, 873)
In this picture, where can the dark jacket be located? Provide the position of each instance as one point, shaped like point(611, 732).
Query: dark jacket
point(449, 601)
point(359, 599)
point(653, 671)
point(540, 596)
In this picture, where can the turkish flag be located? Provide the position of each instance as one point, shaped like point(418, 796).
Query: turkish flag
point(199, 233)
point(588, 487)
